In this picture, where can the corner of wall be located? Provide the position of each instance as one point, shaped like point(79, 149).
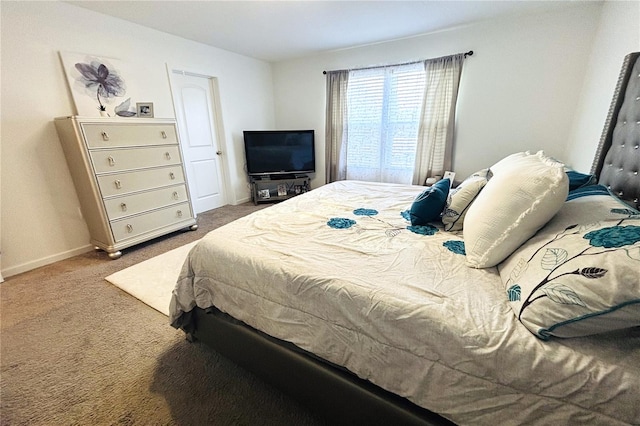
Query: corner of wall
point(617, 35)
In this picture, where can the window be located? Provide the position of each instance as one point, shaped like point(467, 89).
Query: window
point(383, 117)
point(392, 124)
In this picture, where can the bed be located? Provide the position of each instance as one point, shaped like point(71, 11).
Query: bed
point(352, 299)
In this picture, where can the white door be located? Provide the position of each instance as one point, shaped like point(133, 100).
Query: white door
point(194, 102)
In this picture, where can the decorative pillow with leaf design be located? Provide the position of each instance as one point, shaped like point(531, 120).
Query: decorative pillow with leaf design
point(461, 198)
point(580, 274)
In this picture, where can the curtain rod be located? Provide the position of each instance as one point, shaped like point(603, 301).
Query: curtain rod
point(469, 53)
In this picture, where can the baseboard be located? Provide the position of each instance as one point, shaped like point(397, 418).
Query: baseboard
point(28, 266)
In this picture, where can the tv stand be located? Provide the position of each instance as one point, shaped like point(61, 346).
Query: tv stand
point(278, 177)
point(274, 188)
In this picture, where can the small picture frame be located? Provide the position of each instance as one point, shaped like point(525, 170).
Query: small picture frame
point(282, 190)
point(263, 193)
point(144, 109)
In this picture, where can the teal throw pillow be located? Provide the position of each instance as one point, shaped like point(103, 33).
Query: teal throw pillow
point(428, 206)
point(579, 180)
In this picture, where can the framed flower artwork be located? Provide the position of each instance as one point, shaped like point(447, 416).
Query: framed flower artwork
point(99, 86)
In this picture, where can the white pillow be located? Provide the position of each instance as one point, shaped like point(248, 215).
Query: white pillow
point(508, 161)
point(524, 193)
point(461, 198)
point(579, 274)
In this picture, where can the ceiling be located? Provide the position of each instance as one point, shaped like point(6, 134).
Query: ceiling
point(279, 30)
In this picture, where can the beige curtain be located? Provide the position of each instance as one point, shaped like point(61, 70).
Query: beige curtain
point(435, 135)
point(336, 126)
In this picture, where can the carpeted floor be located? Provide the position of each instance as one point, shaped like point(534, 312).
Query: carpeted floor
point(76, 350)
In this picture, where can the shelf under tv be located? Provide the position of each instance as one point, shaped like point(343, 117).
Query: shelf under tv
point(274, 188)
point(284, 176)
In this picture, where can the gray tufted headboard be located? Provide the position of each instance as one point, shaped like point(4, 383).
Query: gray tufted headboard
point(617, 160)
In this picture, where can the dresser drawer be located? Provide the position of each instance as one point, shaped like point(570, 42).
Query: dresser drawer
point(131, 227)
point(105, 135)
point(128, 182)
point(115, 160)
point(133, 204)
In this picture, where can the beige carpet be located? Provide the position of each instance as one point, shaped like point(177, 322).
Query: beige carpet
point(153, 280)
point(77, 350)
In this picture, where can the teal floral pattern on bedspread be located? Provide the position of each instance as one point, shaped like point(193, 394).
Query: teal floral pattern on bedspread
point(391, 231)
point(365, 212)
point(369, 229)
point(455, 246)
point(341, 222)
point(423, 229)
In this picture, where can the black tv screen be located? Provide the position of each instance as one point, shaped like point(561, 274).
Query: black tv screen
point(277, 152)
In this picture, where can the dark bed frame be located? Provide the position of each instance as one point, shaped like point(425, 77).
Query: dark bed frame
point(328, 390)
point(339, 395)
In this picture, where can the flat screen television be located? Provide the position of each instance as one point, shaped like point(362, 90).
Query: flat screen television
point(278, 153)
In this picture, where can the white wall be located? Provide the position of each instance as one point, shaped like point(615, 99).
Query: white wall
point(518, 91)
point(41, 220)
point(618, 34)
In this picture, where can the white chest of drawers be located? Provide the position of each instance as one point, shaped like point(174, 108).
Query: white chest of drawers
point(129, 176)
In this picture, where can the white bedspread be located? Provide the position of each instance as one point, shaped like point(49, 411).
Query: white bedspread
point(402, 310)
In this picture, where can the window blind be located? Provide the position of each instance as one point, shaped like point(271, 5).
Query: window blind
point(383, 114)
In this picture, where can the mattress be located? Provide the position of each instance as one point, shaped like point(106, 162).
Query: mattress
point(340, 272)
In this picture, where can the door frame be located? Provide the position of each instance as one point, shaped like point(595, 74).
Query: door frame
point(228, 196)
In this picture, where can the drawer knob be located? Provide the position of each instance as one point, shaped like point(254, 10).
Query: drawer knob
point(171, 175)
point(164, 134)
point(175, 195)
point(167, 155)
point(129, 228)
point(117, 183)
point(105, 136)
point(123, 206)
point(179, 213)
point(111, 160)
